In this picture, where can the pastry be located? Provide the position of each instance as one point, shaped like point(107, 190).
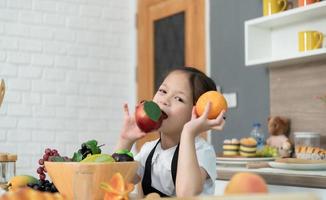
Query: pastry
point(231, 147)
point(310, 153)
point(248, 147)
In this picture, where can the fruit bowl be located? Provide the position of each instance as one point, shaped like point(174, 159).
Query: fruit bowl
point(74, 179)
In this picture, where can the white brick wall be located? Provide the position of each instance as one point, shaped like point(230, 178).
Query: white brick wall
point(69, 66)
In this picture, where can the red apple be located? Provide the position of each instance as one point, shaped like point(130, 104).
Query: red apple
point(149, 116)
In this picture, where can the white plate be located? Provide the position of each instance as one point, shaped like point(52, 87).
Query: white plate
point(295, 166)
point(241, 161)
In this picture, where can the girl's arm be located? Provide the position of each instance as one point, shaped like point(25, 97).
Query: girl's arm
point(190, 176)
point(130, 131)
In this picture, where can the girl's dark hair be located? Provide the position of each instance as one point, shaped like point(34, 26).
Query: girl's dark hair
point(199, 82)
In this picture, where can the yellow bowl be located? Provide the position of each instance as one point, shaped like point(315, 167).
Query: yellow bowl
point(74, 179)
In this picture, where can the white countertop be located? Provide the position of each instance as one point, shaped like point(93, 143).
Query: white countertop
point(273, 176)
point(274, 171)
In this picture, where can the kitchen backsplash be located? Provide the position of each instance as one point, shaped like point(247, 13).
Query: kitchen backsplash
point(293, 92)
point(69, 66)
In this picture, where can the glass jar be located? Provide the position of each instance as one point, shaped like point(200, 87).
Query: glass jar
point(11, 166)
point(310, 139)
point(3, 168)
point(7, 167)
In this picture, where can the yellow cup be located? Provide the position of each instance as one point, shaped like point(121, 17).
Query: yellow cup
point(274, 6)
point(309, 40)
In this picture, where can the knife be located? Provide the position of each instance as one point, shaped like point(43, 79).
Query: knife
point(299, 161)
point(257, 165)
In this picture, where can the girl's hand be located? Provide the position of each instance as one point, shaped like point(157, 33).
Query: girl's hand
point(201, 124)
point(130, 131)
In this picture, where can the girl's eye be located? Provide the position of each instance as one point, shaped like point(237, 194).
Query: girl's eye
point(162, 91)
point(179, 99)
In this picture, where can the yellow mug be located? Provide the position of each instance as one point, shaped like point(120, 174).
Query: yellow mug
point(309, 40)
point(274, 6)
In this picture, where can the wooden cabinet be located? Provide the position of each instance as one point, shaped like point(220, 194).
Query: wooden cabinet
point(273, 40)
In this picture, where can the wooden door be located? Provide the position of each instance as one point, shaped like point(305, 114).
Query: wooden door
point(170, 33)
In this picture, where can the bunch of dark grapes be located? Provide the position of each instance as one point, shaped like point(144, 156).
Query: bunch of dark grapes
point(45, 185)
point(47, 154)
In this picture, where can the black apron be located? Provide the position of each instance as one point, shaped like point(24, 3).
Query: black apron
point(147, 178)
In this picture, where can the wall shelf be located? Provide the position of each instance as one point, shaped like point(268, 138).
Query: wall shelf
point(273, 40)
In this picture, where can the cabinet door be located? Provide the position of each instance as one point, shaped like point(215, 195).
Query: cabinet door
point(171, 33)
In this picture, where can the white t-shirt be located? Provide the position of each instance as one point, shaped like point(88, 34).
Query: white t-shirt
point(161, 165)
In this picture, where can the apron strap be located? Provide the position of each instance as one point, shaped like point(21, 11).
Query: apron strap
point(147, 178)
point(174, 164)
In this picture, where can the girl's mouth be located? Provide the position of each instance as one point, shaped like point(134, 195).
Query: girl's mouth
point(165, 116)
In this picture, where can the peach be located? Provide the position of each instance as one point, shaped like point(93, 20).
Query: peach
point(246, 183)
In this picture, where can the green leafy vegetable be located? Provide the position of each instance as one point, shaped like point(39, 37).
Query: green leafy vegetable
point(77, 157)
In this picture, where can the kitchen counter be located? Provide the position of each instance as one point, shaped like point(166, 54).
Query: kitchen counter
point(296, 196)
point(311, 179)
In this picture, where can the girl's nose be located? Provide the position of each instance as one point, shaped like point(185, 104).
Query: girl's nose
point(164, 102)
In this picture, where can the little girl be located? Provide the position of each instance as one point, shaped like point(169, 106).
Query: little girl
point(178, 163)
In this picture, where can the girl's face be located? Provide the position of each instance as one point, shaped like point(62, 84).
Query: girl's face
point(174, 97)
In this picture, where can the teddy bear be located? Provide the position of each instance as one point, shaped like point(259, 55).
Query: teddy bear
point(279, 131)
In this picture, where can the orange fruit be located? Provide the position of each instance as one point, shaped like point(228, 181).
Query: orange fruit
point(218, 103)
point(117, 188)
